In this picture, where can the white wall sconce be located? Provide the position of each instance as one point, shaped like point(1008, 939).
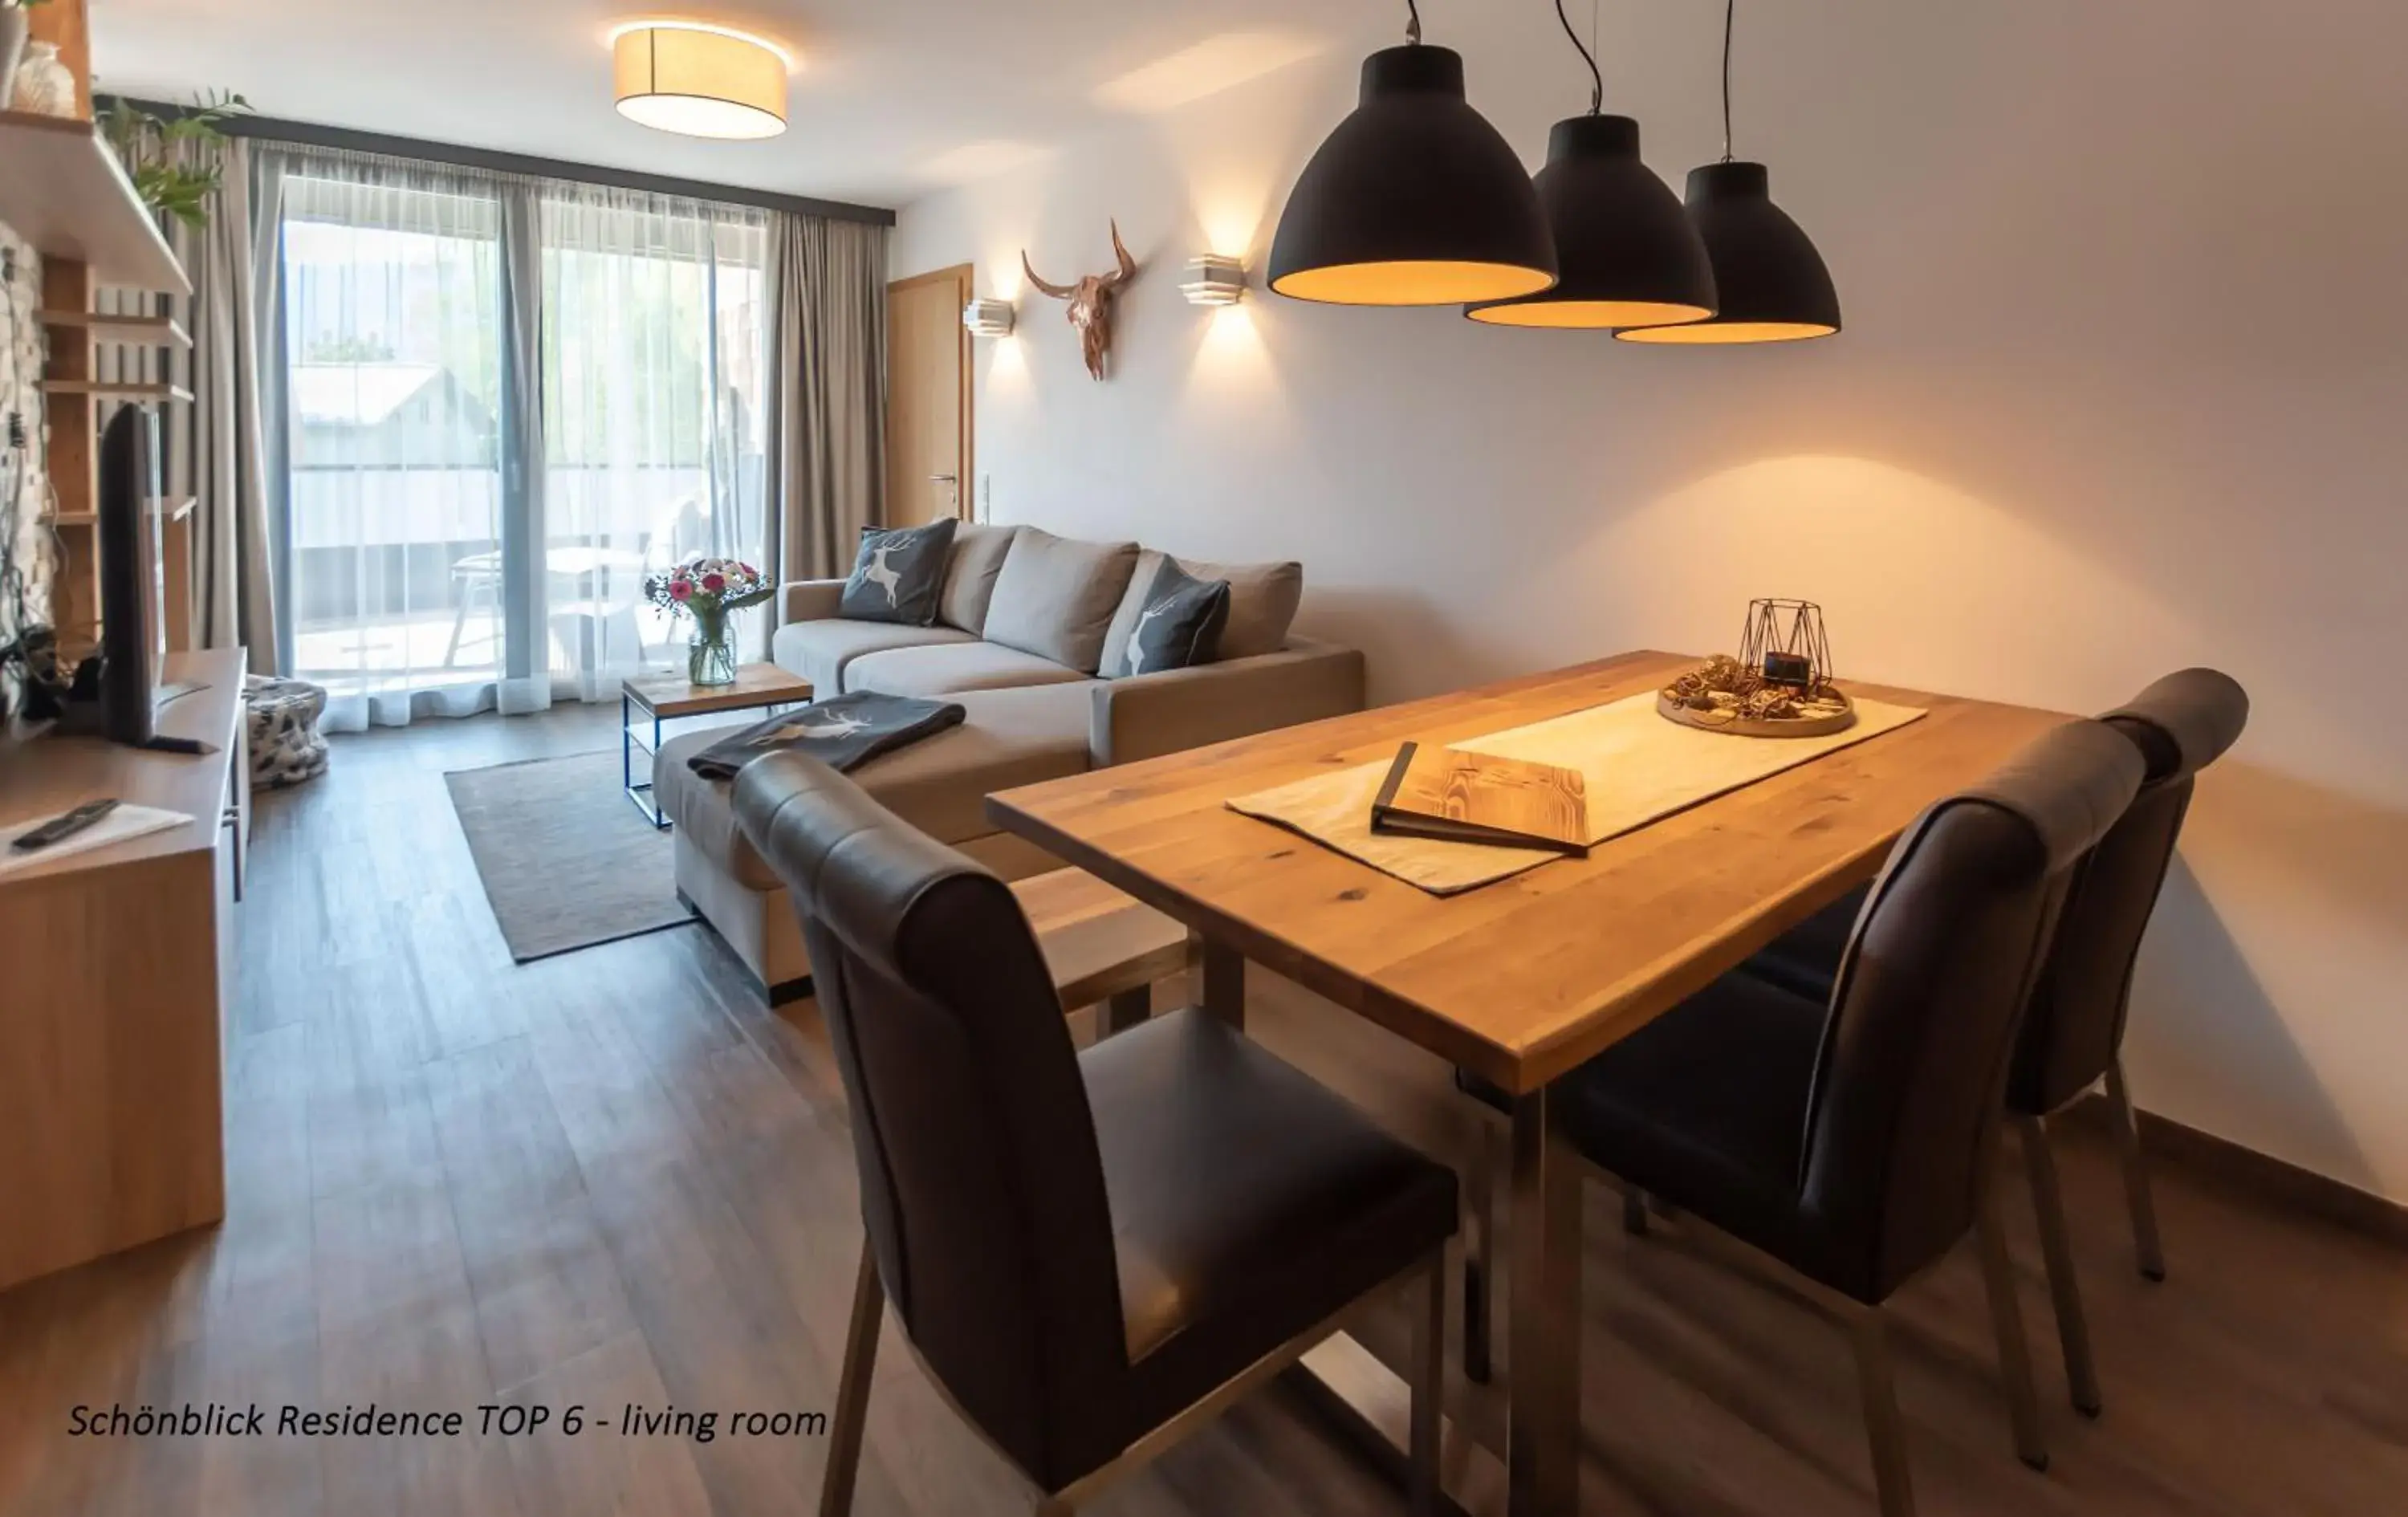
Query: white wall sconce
point(1214, 280)
point(988, 318)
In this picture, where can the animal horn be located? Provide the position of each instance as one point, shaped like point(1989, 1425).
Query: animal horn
point(1059, 291)
point(1129, 264)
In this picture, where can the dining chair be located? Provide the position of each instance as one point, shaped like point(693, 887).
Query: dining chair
point(1091, 1253)
point(2073, 1035)
point(1852, 1140)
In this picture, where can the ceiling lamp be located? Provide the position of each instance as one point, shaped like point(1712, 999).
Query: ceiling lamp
point(699, 81)
point(1414, 199)
point(1629, 255)
point(1772, 282)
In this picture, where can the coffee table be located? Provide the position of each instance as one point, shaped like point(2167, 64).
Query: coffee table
point(665, 697)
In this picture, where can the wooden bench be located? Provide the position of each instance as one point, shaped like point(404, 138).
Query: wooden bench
point(1103, 947)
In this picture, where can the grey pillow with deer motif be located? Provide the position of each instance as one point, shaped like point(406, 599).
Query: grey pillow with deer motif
point(899, 574)
point(1178, 624)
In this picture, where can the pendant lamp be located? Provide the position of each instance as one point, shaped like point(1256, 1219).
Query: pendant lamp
point(1629, 255)
point(1772, 282)
point(1414, 199)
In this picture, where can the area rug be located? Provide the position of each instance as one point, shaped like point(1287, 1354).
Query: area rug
point(566, 861)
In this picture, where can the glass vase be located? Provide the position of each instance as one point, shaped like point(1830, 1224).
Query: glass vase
point(711, 656)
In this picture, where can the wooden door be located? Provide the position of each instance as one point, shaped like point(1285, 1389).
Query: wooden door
point(928, 474)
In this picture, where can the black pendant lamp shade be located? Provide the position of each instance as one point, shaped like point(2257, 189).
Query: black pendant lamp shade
point(1629, 254)
point(1770, 281)
point(1414, 199)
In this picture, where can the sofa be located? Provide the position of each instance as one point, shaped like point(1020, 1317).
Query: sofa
point(1027, 626)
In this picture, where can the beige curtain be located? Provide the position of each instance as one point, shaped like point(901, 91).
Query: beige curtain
point(828, 390)
point(233, 594)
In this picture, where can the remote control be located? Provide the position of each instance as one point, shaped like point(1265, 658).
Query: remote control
point(60, 828)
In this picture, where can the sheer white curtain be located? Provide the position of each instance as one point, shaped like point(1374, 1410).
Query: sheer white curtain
point(654, 335)
point(507, 401)
point(393, 506)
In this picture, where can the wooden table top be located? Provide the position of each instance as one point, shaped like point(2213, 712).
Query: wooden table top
point(756, 684)
point(1525, 979)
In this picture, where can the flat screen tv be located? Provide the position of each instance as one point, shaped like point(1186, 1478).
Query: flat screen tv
point(133, 614)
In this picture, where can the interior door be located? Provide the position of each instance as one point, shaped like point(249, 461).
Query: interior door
point(928, 473)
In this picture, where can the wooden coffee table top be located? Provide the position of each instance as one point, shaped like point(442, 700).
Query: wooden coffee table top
point(756, 684)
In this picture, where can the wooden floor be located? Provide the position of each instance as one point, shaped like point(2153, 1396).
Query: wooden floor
point(614, 1178)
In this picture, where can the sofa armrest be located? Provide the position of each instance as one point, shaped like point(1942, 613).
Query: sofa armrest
point(810, 600)
point(1153, 714)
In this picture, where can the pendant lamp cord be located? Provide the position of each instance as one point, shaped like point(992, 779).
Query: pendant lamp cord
point(1731, 14)
point(1413, 25)
point(1597, 79)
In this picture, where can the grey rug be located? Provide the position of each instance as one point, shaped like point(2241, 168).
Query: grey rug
point(566, 861)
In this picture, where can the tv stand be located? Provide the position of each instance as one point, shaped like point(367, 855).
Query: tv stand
point(115, 972)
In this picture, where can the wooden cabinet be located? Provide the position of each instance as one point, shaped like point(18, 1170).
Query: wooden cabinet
point(116, 969)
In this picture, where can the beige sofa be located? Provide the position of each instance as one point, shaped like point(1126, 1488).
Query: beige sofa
point(1030, 717)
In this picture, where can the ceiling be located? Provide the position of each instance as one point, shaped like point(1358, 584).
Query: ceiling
point(893, 98)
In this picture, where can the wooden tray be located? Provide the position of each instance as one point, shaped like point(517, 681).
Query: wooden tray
point(1811, 726)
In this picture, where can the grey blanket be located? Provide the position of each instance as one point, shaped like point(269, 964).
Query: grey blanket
point(842, 732)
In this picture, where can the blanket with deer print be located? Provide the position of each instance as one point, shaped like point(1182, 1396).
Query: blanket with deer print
point(843, 732)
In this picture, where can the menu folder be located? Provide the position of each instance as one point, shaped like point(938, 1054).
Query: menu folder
point(1452, 795)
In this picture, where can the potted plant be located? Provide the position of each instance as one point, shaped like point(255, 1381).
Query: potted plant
point(14, 25)
point(709, 590)
point(172, 159)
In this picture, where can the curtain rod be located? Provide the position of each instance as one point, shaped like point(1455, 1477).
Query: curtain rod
point(312, 135)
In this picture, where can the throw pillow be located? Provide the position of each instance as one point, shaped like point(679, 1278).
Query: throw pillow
point(898, 574)
point(1179, 625)
point(1055, 597)
point(1263, 599)
point(969, 579)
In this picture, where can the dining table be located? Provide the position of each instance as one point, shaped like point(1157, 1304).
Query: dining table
point(1519, 981)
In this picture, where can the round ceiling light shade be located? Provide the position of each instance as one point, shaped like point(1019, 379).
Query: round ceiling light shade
point(1770, 281)
point(699, 81)
point(1629, 254)
point(1414, 199)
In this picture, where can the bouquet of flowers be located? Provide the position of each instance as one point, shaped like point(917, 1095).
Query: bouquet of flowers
point(707, 590)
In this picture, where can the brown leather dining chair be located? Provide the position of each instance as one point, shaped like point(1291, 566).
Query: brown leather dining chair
point(1852, 1139)
point(2073, 1035)
point(1091, 1253)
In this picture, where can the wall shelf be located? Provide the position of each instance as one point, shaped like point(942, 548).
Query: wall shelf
point(140, 331)
point(65, 193)
point(115, 389)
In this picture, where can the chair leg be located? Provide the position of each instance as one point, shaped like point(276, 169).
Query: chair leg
point(852, 1388)
point(2136, 1175)
point(1429, 1387)
point(1479, 1253)
point(2007, 1321)
point(2057, 1248)
point(1885, 1430)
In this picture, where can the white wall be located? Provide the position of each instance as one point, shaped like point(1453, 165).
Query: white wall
point(2122, 391)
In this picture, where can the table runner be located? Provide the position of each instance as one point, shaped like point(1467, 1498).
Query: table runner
point(1637, 767)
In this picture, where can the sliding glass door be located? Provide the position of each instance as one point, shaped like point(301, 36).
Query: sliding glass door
point(506, 402)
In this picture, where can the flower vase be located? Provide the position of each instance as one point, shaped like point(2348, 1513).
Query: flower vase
point(710, 655)
point(43, 85)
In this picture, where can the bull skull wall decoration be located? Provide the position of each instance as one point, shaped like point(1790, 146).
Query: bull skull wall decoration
point(1091, 303)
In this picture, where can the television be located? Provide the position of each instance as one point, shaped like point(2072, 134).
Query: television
point(132, 582)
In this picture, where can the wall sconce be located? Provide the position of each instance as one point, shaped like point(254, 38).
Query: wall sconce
point(988, 318)
point(1214, 280)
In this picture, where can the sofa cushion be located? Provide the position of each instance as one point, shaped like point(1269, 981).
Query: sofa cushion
point(820, 651)
point(1181, 625)
point(1007, 737)
point(897, 573)
point(1055, 597)
point(969, 577)
point(1263, 598)
point(946, 668)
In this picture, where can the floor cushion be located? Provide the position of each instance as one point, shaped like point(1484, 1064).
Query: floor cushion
point(286, 747)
